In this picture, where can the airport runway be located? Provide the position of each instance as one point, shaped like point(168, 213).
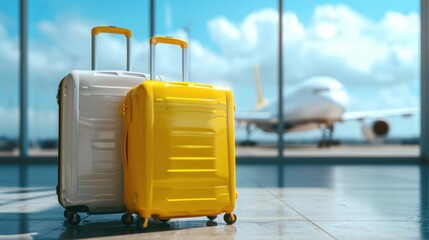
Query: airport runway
point(334, 151)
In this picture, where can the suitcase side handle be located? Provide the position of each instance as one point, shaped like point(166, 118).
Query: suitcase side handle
point(114, 30)
point(169, 40)
point(124, 146)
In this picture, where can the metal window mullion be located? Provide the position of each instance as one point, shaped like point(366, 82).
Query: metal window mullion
point(424, 77)
point(280, 127)
point(152, 18)
point(23, 86)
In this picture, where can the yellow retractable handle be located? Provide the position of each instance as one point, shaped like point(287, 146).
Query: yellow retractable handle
point(169, 40)
point(113, 30)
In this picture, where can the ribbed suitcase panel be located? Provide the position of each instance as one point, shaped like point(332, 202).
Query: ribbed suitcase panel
point(189, 154)
point(92, 173)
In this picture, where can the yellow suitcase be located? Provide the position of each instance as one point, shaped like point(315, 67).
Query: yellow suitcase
point(178, 148)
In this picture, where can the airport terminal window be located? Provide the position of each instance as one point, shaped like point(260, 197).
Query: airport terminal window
point(344, 67)
point(9, 80)
point(231, 44)
point(59, 42)
point(364, 58)
point(346, 55)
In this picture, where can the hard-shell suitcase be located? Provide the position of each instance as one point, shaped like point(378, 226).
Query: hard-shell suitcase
point(90, 172)
point(178, 148)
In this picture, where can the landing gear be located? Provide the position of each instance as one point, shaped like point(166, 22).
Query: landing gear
point(327, 134)
point(248, 142)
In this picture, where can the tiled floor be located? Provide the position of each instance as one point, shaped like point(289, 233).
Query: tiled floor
point(275, 202)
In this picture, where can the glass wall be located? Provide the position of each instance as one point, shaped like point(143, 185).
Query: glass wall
point(351, 73)
point(360, 66)
point(60, 41)
point(9, 79)
point(232, 44)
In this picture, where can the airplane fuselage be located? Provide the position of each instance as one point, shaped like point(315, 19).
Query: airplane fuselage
point(308, 105)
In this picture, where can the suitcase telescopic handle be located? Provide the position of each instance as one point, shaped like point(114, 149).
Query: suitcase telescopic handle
point(169, 40)
point(114, 30)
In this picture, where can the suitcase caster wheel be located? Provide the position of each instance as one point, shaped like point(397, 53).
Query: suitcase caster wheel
point(228, 219)
point(127, 219)
point(73, 219)
point(141, 224)
point(67, 213)
point(211, 218)
point(165, 220)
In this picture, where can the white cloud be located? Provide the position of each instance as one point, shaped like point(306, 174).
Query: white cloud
point(345, 45)
point(339, 42)
point(405, 27)
point(253, 35)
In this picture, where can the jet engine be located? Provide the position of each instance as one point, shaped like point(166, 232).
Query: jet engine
point(376, 129)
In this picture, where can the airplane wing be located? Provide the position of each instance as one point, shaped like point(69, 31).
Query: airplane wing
point(404, 112)
point(255, 117)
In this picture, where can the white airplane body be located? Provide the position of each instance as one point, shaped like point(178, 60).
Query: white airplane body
point(317, 103)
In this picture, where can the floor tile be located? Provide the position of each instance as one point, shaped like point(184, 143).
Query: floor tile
point(274, 202)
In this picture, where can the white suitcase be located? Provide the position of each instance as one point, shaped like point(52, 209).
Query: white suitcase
point(90, 177)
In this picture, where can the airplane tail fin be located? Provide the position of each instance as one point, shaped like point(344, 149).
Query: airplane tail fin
point(262, 101)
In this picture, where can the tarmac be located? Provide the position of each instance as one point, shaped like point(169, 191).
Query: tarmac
point(308, 150)
point(292, 150)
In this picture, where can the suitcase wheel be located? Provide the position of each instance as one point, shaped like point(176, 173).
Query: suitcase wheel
point(211, 218)
point(142, 223)
point(73, 218)
point(66, 213)
point(230, 218)
point(164, 220)
point(127, 219)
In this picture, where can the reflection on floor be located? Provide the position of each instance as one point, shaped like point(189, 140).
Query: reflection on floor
point(275, 202)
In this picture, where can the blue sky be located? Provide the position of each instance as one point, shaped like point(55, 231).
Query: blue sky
point(195, 13)
point(211, 23)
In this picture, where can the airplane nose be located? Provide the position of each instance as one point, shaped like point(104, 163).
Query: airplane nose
point(337, 100)
point(340, 98)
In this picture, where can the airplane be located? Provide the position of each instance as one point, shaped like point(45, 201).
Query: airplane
point(317, 103)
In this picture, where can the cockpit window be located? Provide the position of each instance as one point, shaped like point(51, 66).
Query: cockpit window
point(320, 90)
